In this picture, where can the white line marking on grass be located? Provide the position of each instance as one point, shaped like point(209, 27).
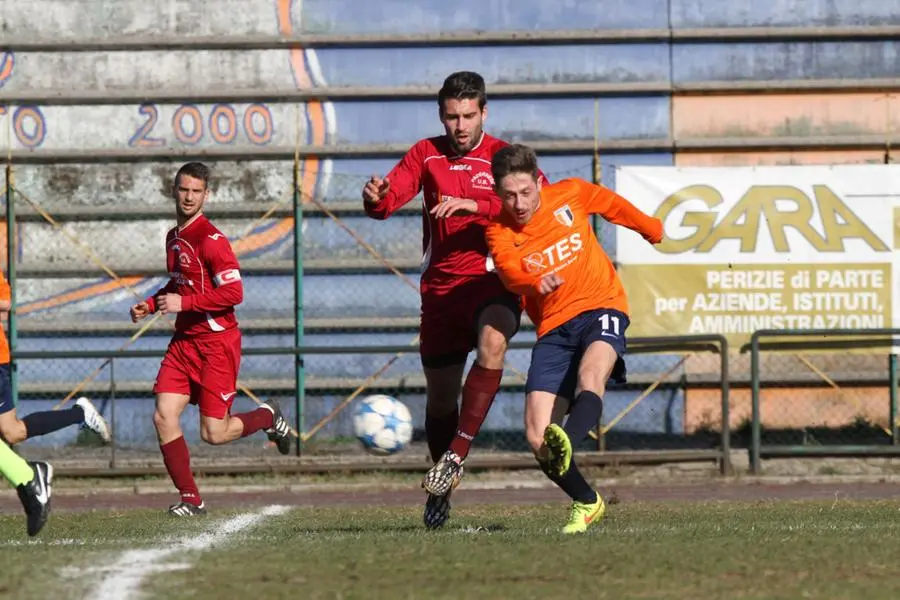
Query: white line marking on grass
point(125, 575)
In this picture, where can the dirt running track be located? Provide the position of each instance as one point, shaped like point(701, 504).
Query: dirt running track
point(624, 493)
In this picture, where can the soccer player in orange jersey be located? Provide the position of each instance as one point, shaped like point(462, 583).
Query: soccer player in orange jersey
point(14, 430)
point(544, 249)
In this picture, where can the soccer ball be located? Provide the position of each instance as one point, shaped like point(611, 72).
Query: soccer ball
point(383, 424)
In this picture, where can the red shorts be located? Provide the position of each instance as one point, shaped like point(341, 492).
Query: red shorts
point(204, 368)
point(451, 308)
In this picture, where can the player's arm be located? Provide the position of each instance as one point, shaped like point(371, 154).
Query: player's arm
point(223, 266)
point(507, 262)
point(5, 295)
point(383, 197)
point(614, 208)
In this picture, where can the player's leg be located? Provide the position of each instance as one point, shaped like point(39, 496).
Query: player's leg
point(33, 485)
point(218, 383)
point(602, 334)
point(442, 386)
point(35, 424)
point(543, 413)
point(552, 377)
point(597, 364)
point(12, 429)
point(443, 349)
point(175, 452)
point(443, 358)
point(173, 390)
point(217, 430)
point(15, 430)
point(496, 323)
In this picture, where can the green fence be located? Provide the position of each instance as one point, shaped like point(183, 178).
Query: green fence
point(823, 393)
point(122, 386)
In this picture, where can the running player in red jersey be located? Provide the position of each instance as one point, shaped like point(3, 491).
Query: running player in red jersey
point(202, 361)
point(545, 249)
point(464, 304)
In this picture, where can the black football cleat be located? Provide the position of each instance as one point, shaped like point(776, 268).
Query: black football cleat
point(35, 496)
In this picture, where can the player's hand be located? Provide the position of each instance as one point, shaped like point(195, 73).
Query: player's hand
point(168, 303)
point(139, 311)
point(376, 189)
point(549, 283)
point(449, 206)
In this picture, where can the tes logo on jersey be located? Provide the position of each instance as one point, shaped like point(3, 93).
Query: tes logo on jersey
point(555, 256)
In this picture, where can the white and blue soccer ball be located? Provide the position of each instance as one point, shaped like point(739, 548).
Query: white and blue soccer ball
point(383, 424)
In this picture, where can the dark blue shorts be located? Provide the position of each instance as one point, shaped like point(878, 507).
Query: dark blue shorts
point(556, 355)
point(6, 403)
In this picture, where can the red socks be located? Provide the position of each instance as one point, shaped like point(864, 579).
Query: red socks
point(477, 397)
point(256, 420)
point(177, 459)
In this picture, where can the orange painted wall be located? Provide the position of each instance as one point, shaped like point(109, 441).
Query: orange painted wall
point(780, 115)
point(783, 115)
point(814, 157)
point(789, 408)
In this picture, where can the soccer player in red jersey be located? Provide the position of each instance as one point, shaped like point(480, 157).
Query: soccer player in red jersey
point(545, 249)
point(464, 304)
point(202, 361)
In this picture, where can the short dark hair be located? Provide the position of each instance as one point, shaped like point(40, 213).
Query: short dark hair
point(463, 85)
point(515, 158)
point(197, 170)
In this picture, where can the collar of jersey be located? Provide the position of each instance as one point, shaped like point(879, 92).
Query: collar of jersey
point(196, 218)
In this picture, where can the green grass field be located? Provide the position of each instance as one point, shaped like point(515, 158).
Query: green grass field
point(783, 550)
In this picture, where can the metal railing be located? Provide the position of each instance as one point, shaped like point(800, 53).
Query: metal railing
point(453, 38)
point(823, 340)
point(663, 345)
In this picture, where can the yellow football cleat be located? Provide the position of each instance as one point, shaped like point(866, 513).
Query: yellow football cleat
point(583, 515)
point(559, 449)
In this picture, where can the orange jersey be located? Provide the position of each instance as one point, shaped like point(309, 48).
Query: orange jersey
point(560, 239)
point(5, 296)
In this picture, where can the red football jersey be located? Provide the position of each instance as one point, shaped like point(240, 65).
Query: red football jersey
point(455, 245)
point(204, 271)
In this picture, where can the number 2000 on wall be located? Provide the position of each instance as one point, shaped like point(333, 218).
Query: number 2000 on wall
point(221, 123)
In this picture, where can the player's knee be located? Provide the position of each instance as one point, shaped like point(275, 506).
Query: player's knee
point(159, 420)
point(491, 346)
point(164, 421)
point(440, 405)
point(13, 431)
point(212, 435)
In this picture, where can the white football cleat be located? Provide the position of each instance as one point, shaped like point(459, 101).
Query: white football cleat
point(93, 420)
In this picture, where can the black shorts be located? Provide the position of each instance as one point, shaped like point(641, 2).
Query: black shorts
point(557, 354)
point(6, 402)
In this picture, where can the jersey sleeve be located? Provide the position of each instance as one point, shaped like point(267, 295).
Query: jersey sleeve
point(225, 272)
point(405, 180)
point(5, 292)
point(508, 263)
point(598, 200)
point(169, 288)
